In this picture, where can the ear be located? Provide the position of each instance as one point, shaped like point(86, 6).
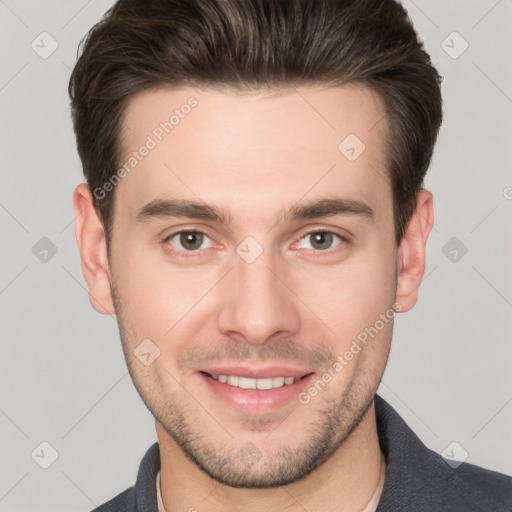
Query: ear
point(411, 253)
point(92, 245)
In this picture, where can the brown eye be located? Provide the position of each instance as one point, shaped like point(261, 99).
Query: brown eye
point(191, 241)
point(188, 241)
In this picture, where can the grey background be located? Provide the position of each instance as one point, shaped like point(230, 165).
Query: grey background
point(63, 378)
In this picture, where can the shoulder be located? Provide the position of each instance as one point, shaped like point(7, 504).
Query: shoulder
point(419, 475)
point(492, 483)
point(123, 502)
point(465, 487)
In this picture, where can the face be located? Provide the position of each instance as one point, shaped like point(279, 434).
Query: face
point(254, 239)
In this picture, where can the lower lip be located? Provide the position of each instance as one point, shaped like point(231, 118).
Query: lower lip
point(256, 400)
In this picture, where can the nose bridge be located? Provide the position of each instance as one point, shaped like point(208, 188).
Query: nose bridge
point(256, 303)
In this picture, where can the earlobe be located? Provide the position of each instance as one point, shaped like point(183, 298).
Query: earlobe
point(90, 237)
point(411, 253)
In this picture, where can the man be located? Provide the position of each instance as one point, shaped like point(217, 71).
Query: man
point(254, 215)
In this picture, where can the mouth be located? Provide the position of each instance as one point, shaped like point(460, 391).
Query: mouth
point(255, 394)
point(266, 383)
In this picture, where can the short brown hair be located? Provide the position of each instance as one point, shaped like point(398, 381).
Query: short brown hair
point(249, 44)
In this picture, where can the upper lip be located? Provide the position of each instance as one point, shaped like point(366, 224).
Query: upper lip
point(257, 373)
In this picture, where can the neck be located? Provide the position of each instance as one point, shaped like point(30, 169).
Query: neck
point(346, 482)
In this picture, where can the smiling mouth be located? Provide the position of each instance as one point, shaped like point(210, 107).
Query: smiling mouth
point(267, 383)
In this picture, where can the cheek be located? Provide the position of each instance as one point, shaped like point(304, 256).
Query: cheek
point(156, 296)
point(351, 295)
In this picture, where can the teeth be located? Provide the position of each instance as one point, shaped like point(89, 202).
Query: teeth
point(248, 383)
point(233, 380)
point(244, 382)
point(276, 382)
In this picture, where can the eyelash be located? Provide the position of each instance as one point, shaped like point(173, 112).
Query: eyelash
point(197, 253)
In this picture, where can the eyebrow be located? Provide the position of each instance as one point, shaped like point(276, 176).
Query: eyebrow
point(162, 208)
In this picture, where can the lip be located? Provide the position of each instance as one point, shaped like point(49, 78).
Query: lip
point(257, 373)
point(256, 400)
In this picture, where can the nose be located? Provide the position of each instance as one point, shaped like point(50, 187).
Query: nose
point(257, 304)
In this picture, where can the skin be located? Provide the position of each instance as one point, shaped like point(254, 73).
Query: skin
point(255, 154)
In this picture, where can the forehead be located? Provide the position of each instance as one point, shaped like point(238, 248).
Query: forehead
point(253, 151)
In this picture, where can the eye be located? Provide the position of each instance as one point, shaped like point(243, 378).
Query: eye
point(188, 241)
point(321, 240)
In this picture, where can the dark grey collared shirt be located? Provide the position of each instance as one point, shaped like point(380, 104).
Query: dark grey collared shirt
point(417, 479)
